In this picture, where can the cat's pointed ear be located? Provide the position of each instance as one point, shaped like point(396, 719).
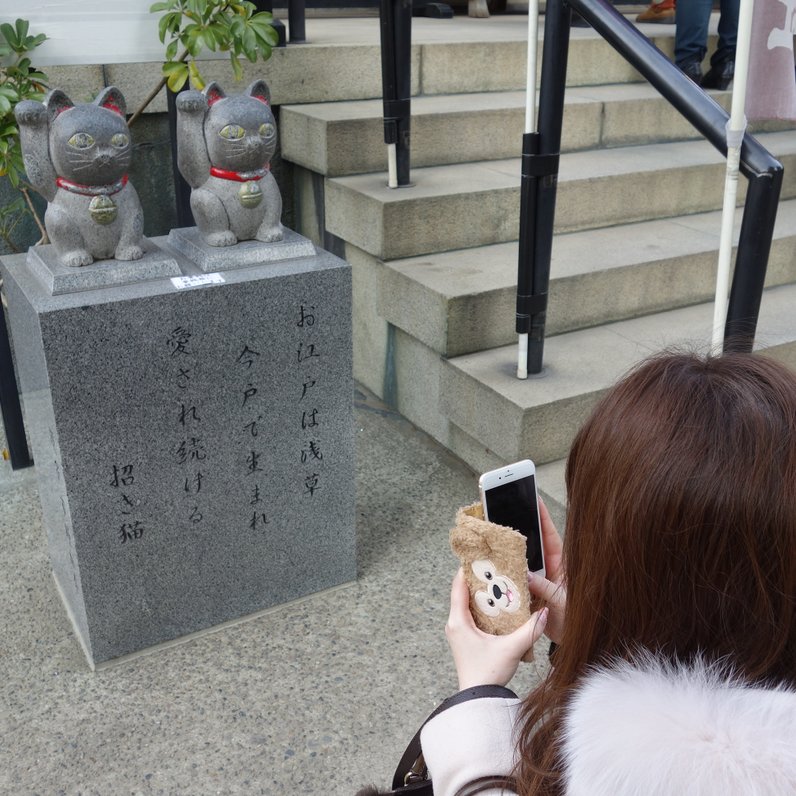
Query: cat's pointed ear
point(57, 102)
point(112, 99)
point(259, 90)
point(213, 92)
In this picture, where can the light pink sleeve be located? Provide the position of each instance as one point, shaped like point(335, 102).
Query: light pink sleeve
point(468, 741)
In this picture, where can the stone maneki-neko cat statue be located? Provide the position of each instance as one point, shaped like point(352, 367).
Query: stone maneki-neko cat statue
point(224, 150)
point(76, 157)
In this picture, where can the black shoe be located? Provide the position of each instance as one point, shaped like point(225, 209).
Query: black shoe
point(692, 69)
point(719, 76)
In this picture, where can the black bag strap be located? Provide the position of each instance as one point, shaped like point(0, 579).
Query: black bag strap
point(412, 768)
point(487, 783)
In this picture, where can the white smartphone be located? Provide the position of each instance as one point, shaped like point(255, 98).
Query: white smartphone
point(509, 497)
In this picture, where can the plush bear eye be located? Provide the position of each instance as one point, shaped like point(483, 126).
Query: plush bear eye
point(482, 569)
point(120, 140)
point(232, 132)
point(267, 130)
point(81, 141)
point(485, 604)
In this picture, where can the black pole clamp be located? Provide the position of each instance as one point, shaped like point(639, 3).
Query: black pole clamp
point(539, 165)
point(394, 112)
point(527, 306)
point(398, 108)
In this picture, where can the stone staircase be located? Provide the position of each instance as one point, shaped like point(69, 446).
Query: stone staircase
point(434, 265)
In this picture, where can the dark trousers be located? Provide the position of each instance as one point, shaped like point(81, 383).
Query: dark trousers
point(691, 31)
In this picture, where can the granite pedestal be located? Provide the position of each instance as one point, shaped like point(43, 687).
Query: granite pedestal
point(193, 440)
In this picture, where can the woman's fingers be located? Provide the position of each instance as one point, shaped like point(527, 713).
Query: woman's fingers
point(555, 595)
point(551, 542)
point(545, 589)
point(525, 636)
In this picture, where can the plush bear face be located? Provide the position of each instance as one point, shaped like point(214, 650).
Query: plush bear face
point(495, 568)
point(500, 593)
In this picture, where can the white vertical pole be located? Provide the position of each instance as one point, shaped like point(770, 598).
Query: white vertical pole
point(392, 166)
point(530, 71)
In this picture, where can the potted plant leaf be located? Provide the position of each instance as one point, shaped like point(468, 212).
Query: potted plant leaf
point(19, 80)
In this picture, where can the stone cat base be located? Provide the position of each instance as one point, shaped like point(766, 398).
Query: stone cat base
point(193, 439)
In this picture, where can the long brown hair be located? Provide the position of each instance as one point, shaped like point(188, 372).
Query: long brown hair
point(680, 535)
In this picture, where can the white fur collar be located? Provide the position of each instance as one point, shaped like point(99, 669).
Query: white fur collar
point(650, 730)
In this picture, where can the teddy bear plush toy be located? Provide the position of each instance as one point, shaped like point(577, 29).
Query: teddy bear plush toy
point(495, 568)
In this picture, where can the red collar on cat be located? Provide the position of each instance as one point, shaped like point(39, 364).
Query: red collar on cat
point(240, 176)
point(91, 190)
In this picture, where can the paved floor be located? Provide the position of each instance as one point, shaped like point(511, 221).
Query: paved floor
point(318, 697)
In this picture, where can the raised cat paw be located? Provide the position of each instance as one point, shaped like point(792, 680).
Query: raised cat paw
point(270, 235)
point(76, 258)
point(225, 238)
point(191, 101)
point(129, 253)
point(30, 112)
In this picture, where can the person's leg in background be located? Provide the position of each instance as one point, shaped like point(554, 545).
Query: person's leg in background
point(691, 35)
point(722, 62)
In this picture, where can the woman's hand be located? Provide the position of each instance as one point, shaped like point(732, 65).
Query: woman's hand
point(481, 658)
point(551, 589)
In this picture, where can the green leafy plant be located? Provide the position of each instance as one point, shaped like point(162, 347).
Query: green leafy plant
point(11, 215)
point(232, 26)
point(19, 80)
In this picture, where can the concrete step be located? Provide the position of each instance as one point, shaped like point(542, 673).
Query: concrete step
point(460, 128)
point(511, 419)
point(464, 301)
point(465, 205)
point(340, 60)
point(550, 482)
point(470, 61)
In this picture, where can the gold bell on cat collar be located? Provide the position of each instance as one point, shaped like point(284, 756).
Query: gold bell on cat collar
point(250, 194)
point(103, 209)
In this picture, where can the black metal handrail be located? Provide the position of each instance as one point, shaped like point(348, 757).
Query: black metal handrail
point(540, 171)
point(10, 408)
point(395, 23)
point(295, 20)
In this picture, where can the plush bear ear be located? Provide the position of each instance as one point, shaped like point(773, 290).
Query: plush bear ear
point(112, 99)
point(259, 90)
point(57, 102)
point(466, 543)
point(213, 92)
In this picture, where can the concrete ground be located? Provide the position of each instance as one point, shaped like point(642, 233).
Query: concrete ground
point(316, 697)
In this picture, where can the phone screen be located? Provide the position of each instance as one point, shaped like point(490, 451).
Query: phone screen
point(514, 504)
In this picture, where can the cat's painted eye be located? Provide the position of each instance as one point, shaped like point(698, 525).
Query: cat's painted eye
point(81, 141)
point(120, 140)
point(267, 130)
point(232, 132)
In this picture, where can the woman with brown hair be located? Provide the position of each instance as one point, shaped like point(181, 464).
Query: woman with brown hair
point(672, 603)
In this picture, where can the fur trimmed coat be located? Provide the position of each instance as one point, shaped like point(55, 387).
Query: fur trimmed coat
point(636, 730)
